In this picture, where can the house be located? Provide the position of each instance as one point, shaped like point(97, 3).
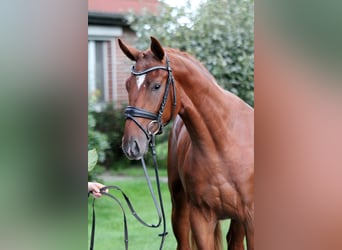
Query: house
point(108, 68)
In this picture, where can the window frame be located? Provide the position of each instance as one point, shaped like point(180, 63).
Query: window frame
point(103, 34)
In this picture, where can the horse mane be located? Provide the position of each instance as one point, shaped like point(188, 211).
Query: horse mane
point(180, 56)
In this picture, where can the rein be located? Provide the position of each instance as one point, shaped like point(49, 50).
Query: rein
point(131, 113)
point(160, 210)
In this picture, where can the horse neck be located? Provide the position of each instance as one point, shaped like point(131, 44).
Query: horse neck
point(204, 104)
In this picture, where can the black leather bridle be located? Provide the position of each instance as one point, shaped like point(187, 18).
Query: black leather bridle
point(134, 112)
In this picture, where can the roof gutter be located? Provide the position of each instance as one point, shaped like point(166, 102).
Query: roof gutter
point(108, 19)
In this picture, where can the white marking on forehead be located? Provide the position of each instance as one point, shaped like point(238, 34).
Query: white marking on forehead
point(140, 80)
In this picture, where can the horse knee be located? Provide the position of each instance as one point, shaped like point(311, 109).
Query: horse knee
point(205, 232)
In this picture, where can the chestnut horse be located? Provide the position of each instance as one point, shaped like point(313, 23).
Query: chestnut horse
point(211, 145)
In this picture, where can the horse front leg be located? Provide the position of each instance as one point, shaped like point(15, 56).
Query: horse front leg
point(205, 229)
point(235, 236)
point(180, 216)
point(250, 237)
point(249, 226)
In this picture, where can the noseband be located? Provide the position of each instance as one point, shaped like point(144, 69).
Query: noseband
point(134, 112)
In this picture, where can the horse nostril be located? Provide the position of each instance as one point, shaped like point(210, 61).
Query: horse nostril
point(132, 148)
point(135, 148)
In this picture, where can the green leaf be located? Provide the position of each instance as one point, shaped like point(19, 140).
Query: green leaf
point(92, 159)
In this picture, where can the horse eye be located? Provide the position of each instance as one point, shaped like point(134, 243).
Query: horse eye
point(156, 86)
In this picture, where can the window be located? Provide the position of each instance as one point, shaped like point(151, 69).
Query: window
point(101, 61)
point(97, 70)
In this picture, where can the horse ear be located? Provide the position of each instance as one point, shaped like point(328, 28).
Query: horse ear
point(157, 49)
point(130, 52)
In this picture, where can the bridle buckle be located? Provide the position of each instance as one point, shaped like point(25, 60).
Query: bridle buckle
point(151, 130)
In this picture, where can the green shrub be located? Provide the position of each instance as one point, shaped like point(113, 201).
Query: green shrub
point(110, 122)
point(96, 139)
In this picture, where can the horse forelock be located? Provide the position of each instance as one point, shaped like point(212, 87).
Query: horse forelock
point(144, 61)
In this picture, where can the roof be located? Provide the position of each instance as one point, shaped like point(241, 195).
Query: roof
point(121, 6)
point(101, 18)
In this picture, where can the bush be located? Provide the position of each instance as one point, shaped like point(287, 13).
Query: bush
point(96, 139)
point(110, 122)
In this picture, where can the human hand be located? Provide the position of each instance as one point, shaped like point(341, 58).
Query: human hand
point(94, 189)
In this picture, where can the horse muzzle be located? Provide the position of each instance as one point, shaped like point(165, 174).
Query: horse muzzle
point(133, 148)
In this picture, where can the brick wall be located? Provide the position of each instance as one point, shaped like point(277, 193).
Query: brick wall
point(123, 67)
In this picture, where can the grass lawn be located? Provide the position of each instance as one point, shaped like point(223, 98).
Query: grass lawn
point(109, 219)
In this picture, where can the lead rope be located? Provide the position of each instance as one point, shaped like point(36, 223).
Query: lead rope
point(154, 157)
point(160, 210)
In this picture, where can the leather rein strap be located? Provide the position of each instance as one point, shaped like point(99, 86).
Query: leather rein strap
point(160, 209)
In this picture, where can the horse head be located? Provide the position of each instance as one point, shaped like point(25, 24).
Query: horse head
point(149, 96)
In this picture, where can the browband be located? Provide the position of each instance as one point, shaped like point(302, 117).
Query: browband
point(136, 73)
